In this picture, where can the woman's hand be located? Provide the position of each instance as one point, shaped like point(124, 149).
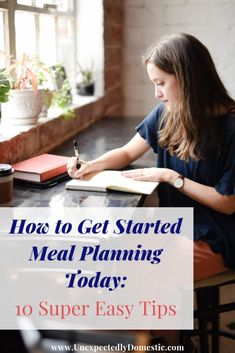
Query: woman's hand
point(206, 195)
point(114, 159)
point(149, 174)
point(86, 167)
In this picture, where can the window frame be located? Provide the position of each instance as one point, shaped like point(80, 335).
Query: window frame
point(11, 6)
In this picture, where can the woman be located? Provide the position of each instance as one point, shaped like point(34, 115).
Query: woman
point(192, 131)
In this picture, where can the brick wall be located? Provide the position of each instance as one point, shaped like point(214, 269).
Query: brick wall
point(113, 46)
point(213, 22)
point(49, 134)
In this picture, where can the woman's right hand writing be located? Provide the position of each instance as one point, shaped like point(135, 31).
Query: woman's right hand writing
point(86, 167)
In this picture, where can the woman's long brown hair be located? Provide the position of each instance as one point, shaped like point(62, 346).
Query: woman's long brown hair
point(187, 132)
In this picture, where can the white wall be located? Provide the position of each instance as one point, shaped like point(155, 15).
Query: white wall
point(90, 44)
point(211, 21)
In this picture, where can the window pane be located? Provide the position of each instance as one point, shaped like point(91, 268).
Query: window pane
point(25, 2)
point(47, 39)
point(65, 45)
point(62, 5)
point(2, 42)
point(25, 35)
point(40, 3)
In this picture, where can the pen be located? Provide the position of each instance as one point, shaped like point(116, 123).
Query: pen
point(76, 152)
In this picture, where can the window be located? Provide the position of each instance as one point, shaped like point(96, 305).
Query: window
point(41, 27)
point(2, 41)
point(48, 29)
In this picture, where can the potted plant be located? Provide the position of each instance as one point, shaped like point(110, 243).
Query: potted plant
point(61, 97)
point(57, 91)
point(24, 101)
point(4, 87)
point(86, 86)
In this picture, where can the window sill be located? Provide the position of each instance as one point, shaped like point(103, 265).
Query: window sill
point(7, 133)
point(23, 142)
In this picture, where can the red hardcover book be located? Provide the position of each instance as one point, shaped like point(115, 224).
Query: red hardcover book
point(40, 168)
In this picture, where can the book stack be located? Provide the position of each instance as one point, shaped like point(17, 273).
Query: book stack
point(42, 170)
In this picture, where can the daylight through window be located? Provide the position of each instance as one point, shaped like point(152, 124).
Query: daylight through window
point(39, 27)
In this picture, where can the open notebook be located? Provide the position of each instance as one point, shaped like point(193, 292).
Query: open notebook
point(111, 180)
